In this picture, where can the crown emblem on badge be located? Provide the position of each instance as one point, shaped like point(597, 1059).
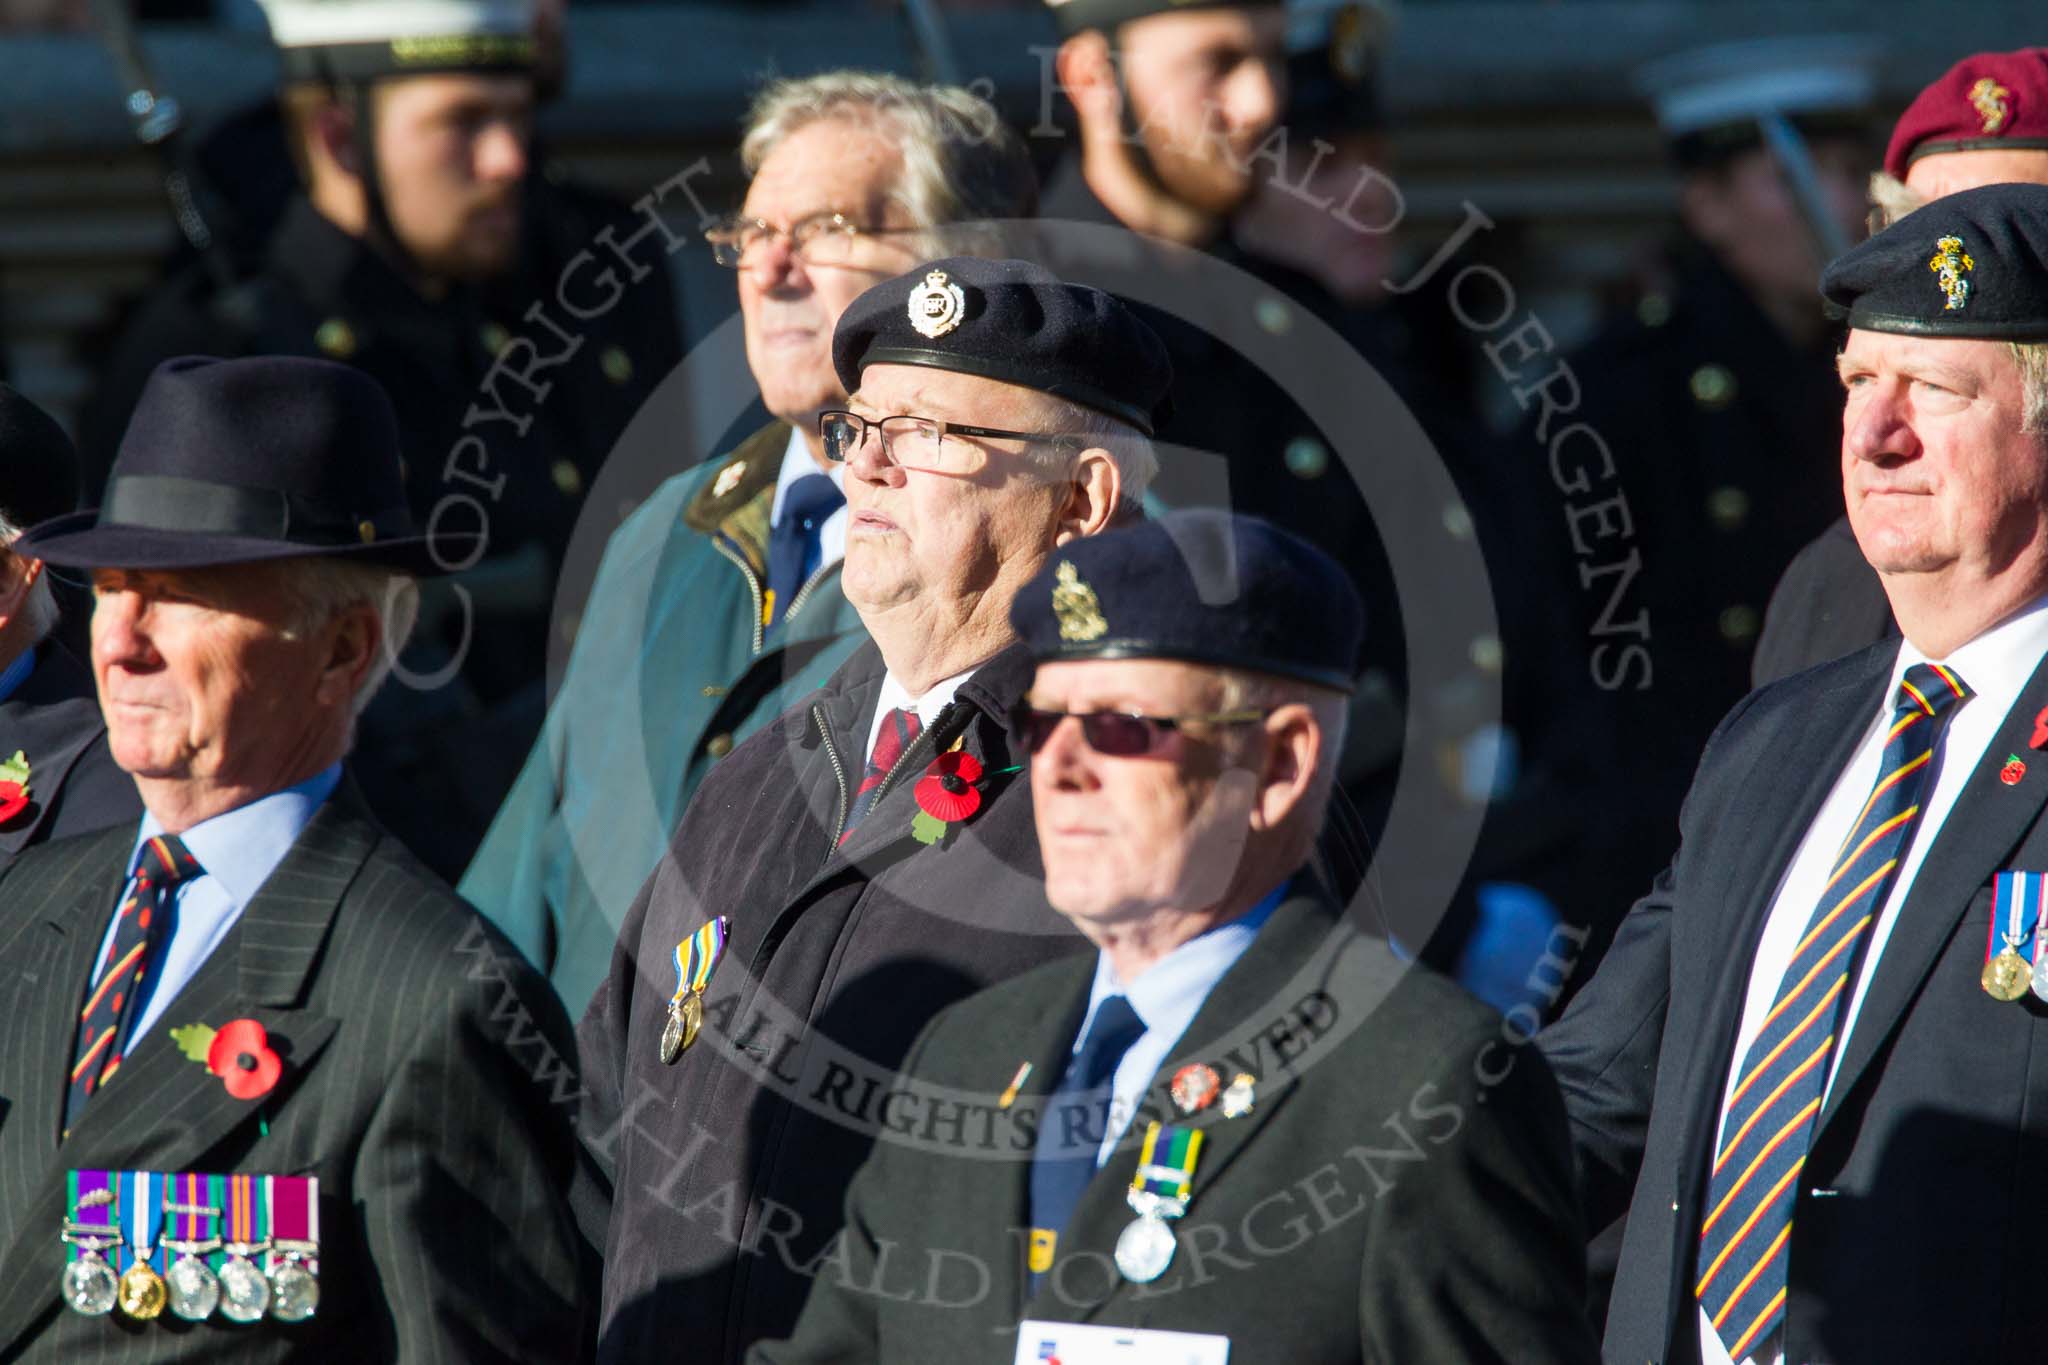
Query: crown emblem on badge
point(1948, 264)
point(1993, 103)
point(1075, 605)
point(937, 305)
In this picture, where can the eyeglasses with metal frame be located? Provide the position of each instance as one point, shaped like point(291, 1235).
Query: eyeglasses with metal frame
point(918, 442)
point(820, 239)
point(1121, 734)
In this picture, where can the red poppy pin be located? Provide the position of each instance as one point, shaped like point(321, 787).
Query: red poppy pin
point(946, 795)
point(14, 792)
point(2013, 770)
point(2040, 739)
point(238, 1052)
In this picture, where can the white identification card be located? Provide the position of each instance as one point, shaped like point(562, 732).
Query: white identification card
point(1066, 1343)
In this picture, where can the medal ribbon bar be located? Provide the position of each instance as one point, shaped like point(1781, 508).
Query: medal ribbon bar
point(2016, 907)
point(144, 1200)
point(696, 956)
point(1166, 1165)
point(93, 1202)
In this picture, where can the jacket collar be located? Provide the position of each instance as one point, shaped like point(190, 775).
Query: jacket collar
point(738, 498)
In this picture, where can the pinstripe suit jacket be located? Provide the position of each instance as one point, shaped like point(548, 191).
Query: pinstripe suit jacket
point(428, 1082)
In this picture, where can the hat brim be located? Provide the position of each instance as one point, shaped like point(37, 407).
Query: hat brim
point(78, 541)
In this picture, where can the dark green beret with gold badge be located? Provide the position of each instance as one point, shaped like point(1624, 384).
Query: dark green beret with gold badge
point(1202, 586)
point(1971, 264)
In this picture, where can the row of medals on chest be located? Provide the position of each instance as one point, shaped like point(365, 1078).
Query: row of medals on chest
point(241, 1291)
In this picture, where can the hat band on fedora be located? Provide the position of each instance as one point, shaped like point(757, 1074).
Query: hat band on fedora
point(165, 502)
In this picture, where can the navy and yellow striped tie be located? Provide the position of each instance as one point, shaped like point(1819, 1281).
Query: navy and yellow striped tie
point(112, 998)
point(1768, 1122)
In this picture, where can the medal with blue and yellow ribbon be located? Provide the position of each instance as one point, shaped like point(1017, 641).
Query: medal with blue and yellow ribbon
point(696, 956)
point(2009, 954)
point(1160, 1191)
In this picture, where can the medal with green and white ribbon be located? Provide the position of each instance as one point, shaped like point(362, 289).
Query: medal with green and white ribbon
point(1159, 1192)
point(696, 956)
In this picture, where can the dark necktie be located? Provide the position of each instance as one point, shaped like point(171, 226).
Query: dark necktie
point(1063, 1162)
point(793, 542)
point(1768, 1122)
point(113, 996)
point(900, 729)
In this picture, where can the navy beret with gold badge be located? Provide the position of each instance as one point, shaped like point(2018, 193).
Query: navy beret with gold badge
point(1013, 321)
point(1970, 264)
point(1199, 585)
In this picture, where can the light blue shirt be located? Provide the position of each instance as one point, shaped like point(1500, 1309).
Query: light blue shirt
point(238, 851)
point(1167, 996)
point(797, 462)
point(17, 674)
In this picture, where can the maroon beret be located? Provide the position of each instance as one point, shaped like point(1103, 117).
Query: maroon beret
point(1990, 100)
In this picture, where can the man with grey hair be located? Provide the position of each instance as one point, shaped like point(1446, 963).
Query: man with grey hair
point(1985, 122)
point(56, 776)
point(718, 602)
point(256, 1007)
point(866, 857)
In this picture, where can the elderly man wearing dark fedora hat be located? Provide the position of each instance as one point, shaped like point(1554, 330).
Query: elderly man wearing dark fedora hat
point(271, 1090)
point(56, 775)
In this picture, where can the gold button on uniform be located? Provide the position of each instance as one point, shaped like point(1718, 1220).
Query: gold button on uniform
point(336, 339)
point(1728, 508)
point(718, 746)
point(494, 338)
point(1739, 624)
point(568, 478)
point(617, 365)
point(1713, 387)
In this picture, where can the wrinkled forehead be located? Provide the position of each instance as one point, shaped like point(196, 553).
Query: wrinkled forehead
point(1144, 685)
point(926, 391)
point(839, 163)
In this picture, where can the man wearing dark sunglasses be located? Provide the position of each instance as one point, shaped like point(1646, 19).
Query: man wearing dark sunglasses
point(1238, 1118)
point(870, 852)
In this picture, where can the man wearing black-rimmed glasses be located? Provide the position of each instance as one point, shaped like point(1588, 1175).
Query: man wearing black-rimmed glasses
point(867, 857)
point(718, 602)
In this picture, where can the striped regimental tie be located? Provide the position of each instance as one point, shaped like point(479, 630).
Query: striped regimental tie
point(900, 729)
point(112, 1000)
point(1768, 1122)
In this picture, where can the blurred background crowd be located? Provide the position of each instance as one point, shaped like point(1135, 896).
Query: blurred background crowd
point(1633, 233)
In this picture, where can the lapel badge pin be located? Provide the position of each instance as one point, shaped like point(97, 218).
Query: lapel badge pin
point(2013, 770)
point(1238, 1098)
point(1009, 1095)
point(2040, 736)
point(1194, 1086)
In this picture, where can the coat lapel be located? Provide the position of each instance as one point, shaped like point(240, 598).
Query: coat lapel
point(1045, 1038)
point(162, 1111)
point(1980, 830)
point(1301, 949)
point(1823, 740)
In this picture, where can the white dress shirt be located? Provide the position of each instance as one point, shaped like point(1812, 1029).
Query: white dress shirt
point(894, 697)
point(1995, 665)
point(797, 462)
point(1166, 997)
point(237, 851)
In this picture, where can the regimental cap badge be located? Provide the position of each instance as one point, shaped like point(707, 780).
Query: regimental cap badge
point(1993, 103)
point(1075, 605)
point(1949, 264)
point(937, 305)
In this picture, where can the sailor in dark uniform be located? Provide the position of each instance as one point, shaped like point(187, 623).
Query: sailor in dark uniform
point(516, 345)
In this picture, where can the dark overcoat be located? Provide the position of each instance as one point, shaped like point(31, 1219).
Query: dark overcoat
point(1917, 1204)
point(429, 1083)
point(1399, 1190)
point(53, 720)
point(716, 1182)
